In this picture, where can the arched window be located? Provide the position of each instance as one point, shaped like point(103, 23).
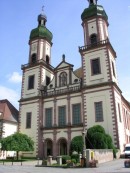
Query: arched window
point(47, 59)
point(33, 58)
point(91, 1)
point(93, 39)
point(63, 79)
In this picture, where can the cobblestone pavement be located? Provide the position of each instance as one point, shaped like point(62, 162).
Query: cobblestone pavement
point(116, 166)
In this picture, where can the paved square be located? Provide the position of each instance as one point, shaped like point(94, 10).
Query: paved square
point(116, 166)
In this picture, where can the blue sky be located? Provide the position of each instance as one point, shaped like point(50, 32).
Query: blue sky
point(18, 18)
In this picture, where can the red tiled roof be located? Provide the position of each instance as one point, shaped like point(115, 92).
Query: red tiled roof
point(10, 113)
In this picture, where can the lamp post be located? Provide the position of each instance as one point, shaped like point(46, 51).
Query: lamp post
point(0, 149)
point(84, 145)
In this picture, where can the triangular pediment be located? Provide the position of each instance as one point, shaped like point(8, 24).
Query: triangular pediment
point(63, 64)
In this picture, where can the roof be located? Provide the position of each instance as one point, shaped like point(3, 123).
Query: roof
point(78, 72)
point(94, 10)
point(63, 63)
point(9, 112)
point(42, 32)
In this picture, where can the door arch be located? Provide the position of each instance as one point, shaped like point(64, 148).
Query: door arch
point(49, 147)
point(62, 146)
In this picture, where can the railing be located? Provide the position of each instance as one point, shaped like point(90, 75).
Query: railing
point(80, 124)
point(93, 45)
point(41, 61)
point(61, 91)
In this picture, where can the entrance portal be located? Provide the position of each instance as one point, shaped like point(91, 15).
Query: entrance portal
point(63, 147)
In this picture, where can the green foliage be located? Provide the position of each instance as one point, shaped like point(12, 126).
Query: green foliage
point(76, 157)
point(98, 139)
point(17, 142)
point(73, 161)
point(77, 144)
point(65, 158)
point(96, 128)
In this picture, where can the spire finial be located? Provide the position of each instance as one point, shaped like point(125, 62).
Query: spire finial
point(92, 2)
point(43, 9)
point(63, 57)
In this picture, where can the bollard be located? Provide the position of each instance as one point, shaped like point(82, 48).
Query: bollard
point(37, 161)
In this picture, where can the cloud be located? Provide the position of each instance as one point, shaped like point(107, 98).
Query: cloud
point(15, 77)
point(11, 95)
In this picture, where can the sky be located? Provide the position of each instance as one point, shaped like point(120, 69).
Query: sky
point(19, 17)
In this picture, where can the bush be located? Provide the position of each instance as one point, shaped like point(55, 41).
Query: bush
point(98, 139)
point(73, 161)
point(77, 144)
point(76, 157)
point(65, 158)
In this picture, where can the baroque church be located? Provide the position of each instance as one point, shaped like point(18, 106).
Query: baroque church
point(59, 103)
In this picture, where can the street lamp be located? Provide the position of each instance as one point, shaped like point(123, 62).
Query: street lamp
point(84, 144)
point(0, 148)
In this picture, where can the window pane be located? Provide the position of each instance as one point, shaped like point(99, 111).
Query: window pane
point(119, 112)
point(98, 111)
point(47, 80)
point(31, 82)
point(62, 116)
point(76, 113)
point(28, 120)
point(96, 66)
point(93, 39)
point(48, 117)
point(34, 58)
point(113, 69)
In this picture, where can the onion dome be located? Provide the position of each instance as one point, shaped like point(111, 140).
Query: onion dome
point(94, 10)
point(41, 31)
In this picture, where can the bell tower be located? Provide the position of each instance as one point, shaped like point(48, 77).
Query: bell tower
point(98, 55)
point(37, 72)
point(99, 71)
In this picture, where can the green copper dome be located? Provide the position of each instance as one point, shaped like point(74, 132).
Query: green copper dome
point(94, 10)
point(42, 32)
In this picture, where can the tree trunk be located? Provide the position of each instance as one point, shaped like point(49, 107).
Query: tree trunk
point(17, 155)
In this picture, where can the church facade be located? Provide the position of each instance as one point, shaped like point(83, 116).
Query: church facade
point(59, 103)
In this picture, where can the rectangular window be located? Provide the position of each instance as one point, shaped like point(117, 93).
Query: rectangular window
point(98, 112)
point(31, 82)
point(113, 69)
point(28, 120)
point(48, 117)
point(119, 112)
point(62, 115)
point(95, 66)
point(76, 111)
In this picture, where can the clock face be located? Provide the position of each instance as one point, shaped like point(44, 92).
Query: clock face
point(34, 46)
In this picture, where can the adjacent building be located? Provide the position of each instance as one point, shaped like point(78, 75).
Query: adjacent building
point(58, 103)
point(8, 123)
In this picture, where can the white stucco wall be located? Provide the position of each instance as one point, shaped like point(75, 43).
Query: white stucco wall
point(9, 129)
point(31, 132)
point(104, 97)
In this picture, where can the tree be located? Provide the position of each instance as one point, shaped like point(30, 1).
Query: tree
point(77, 144)
point(17, 142)
point(97, 138)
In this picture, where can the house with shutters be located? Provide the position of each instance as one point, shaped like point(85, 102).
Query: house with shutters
point(59, 103)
